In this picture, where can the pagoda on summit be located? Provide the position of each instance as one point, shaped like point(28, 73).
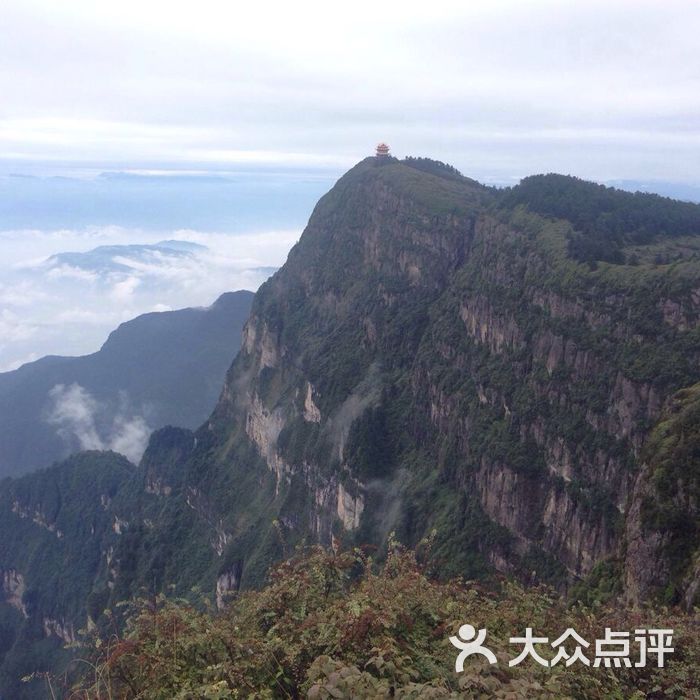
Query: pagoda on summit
point(382, 151)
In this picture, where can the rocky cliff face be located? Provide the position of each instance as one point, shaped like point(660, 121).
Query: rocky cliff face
point(13, 587)
point(464, 337)
point(330, 329)
point(60, 528)
point(662, 532)
point(431, 359)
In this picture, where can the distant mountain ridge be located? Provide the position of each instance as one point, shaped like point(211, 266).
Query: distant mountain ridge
point(677, 190)
point(158, 369)
point(121, 258)
point(605, 219)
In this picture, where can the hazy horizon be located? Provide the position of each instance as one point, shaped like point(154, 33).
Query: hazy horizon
point(605, 91)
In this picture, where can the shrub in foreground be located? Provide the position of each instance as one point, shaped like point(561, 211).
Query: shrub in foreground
point(335, 626)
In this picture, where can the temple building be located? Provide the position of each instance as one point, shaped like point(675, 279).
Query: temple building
point(382, 150)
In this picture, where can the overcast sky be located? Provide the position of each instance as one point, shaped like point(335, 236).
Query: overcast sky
point(501, 88)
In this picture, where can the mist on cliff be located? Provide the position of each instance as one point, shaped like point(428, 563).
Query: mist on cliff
point(85, 423)
point(367, 393)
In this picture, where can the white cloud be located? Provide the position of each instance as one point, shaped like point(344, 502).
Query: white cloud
point(71, 272)
point(75, 413)
point(69, 310)
point(16, 364)
point(14, 328)
point(130, 437)
point(22, 294)
point(123, 292)
point(317, 83)
point(82, 317)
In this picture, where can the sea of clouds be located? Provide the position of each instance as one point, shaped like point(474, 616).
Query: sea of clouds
point(53, 303)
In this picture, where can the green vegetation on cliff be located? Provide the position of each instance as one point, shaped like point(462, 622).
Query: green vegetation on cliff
point(671, 507)
point(604, 219)
point(56, 526)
